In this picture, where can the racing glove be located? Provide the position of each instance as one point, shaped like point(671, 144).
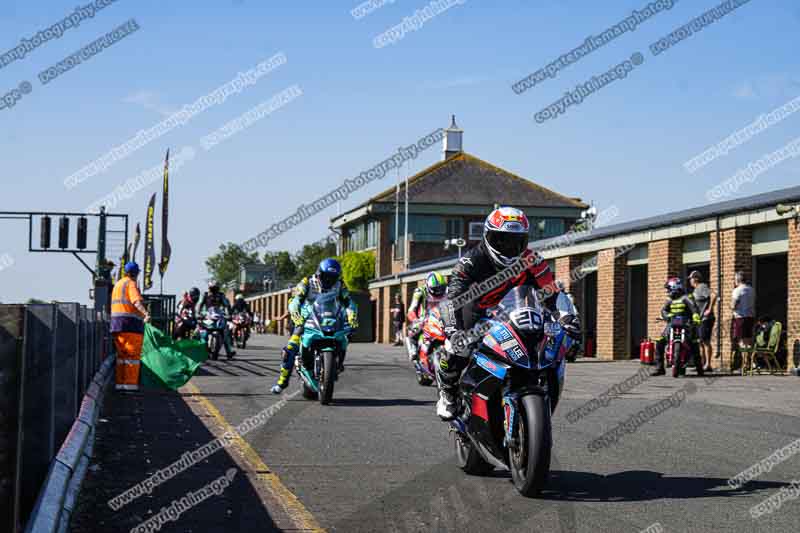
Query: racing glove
point(352, 318)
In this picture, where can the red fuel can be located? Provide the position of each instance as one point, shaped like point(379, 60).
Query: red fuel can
point(647, 351)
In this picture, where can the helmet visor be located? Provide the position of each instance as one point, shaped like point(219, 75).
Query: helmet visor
point(507, 244)
point(438, 291)
point(328, 279)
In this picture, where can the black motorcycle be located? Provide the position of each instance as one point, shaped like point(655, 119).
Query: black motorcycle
point(510, 388)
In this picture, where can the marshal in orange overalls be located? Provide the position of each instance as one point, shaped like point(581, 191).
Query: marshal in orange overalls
point(127, 329)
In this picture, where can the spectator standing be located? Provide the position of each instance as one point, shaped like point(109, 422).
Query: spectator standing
point(705, 300)
point(398, 316)
point(743, 304)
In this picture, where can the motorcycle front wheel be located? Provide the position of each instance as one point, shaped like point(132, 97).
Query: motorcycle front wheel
point(213, 346)
point(676, 359)
point(530, 458)
point(328, 377)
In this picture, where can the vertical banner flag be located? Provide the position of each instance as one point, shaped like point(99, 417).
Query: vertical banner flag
point(136, 237)
point(166, 249)
point(149, 247)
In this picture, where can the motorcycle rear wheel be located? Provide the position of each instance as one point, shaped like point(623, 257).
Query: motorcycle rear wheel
point(308, 392)
point(469, 459)
point(529, 462)
point(328, 377)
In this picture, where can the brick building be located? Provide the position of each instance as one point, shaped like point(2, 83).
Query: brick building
point(616, 273)
point(448, 200)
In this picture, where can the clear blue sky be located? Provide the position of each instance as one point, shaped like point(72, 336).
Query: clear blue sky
point(624, 145)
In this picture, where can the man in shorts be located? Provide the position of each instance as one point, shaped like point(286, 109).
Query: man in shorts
point(705, 300)
point(743, 305)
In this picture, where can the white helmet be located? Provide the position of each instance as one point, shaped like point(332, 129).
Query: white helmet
point(505, 235)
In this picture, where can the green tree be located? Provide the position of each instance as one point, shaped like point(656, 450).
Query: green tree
point(35, 301)
point(225, 265)
point(357, 269)
point(309, 258)
point(285, 268)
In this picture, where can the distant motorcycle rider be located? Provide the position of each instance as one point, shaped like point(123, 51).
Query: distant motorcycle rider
point(213, 298)
point(187, 321)
point(240, 305)
point(504, 251)
point(678, 304)
point(327, 278)
point(424, 297)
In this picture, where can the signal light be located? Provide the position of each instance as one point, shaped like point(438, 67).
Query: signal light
point(44, 236)
point(63, 233)
point(82, 225)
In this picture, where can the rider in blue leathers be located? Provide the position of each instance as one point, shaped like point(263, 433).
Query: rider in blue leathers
point(327, 278)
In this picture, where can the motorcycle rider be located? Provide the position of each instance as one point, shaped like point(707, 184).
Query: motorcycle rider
point(678, 304)
point(503, 253)
point(187, 303)
point(327, 278)
point(214, 298)
point(423, 298)
point(240, 306)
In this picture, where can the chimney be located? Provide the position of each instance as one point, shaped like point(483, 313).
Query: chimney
point(452, 139)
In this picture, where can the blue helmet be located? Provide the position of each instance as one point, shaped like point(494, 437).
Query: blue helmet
point(328, 272)
point(131, 268)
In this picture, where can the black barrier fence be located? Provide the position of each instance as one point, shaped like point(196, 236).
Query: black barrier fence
point(162, 311)
point(49, 354)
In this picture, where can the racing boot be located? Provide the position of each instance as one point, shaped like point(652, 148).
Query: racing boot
point(446, 406)
point(287, 363)
point(283, 381)
point(447, 378)
point(412, 348)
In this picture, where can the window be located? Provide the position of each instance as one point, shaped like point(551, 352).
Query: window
point(545, 228)
point(362, 236)
point(475, 231)
point(453, 228)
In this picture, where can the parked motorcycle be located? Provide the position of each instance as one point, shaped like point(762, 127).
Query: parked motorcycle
point(324, 342)
point(430, 338)
point(212, 331)
point(240, 326)
point(509, 390)
point(679, 352)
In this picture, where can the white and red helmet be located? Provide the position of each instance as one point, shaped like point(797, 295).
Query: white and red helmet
point(505, 235)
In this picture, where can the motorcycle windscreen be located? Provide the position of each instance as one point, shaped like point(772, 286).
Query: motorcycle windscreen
point(326, 311)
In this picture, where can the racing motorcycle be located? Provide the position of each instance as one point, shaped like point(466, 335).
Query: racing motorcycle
point(187, 320)
point(324, 342)
point(679, 351)
point(511, 387)
point(429, 340)
point(240, 329)
point(212, 331)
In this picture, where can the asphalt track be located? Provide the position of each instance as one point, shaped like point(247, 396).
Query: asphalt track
point(379, 460)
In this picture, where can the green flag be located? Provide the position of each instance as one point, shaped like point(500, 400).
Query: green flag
point(169, 364)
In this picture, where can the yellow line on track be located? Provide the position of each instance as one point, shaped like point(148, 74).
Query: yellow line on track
point(302, 518)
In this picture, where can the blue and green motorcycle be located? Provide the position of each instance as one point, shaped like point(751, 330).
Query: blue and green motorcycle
point(323, 344)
